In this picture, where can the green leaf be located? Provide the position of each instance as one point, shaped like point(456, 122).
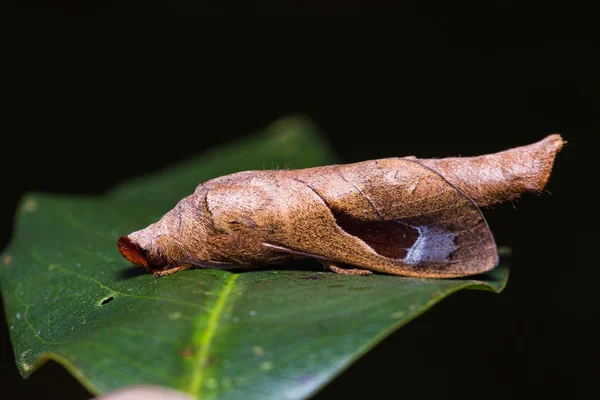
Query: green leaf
point(280, 333)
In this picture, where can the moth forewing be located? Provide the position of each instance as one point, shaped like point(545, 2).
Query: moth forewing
point(393, 216)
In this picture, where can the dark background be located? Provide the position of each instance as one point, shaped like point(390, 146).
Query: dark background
point(96, 97)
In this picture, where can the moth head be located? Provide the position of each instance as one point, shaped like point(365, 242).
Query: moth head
point(178, 238)
point(139, 255)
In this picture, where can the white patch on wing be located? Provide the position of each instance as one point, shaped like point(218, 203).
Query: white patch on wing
point(434, 244)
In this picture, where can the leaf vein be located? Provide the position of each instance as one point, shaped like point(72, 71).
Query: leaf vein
point(58, 267)
point(26, 318)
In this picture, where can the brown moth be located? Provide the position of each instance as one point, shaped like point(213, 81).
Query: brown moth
point(400, 216)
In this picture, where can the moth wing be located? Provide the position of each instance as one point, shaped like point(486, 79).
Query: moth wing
point(394, 216)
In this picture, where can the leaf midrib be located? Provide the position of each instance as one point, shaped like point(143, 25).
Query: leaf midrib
point(205, 341)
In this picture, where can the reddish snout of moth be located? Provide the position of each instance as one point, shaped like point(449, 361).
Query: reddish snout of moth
point(400, 216)
point(139, 256)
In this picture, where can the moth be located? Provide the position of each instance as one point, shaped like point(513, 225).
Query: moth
point(400, 216)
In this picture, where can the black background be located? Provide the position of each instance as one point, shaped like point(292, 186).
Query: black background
point(94, 99)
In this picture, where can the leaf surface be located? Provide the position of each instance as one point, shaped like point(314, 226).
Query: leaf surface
point(277, 333)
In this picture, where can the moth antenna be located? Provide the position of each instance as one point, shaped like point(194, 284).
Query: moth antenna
point(503, 176)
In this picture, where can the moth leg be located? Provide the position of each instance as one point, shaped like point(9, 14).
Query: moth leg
point(343, 271)
point(170, 271)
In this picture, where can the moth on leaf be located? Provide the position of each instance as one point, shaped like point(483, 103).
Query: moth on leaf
point(399, 216)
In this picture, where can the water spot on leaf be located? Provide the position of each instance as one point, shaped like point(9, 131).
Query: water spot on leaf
point(18, 315)
point(175, 316)
point(212, 383)
point(266, 365)
point(252, 313)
